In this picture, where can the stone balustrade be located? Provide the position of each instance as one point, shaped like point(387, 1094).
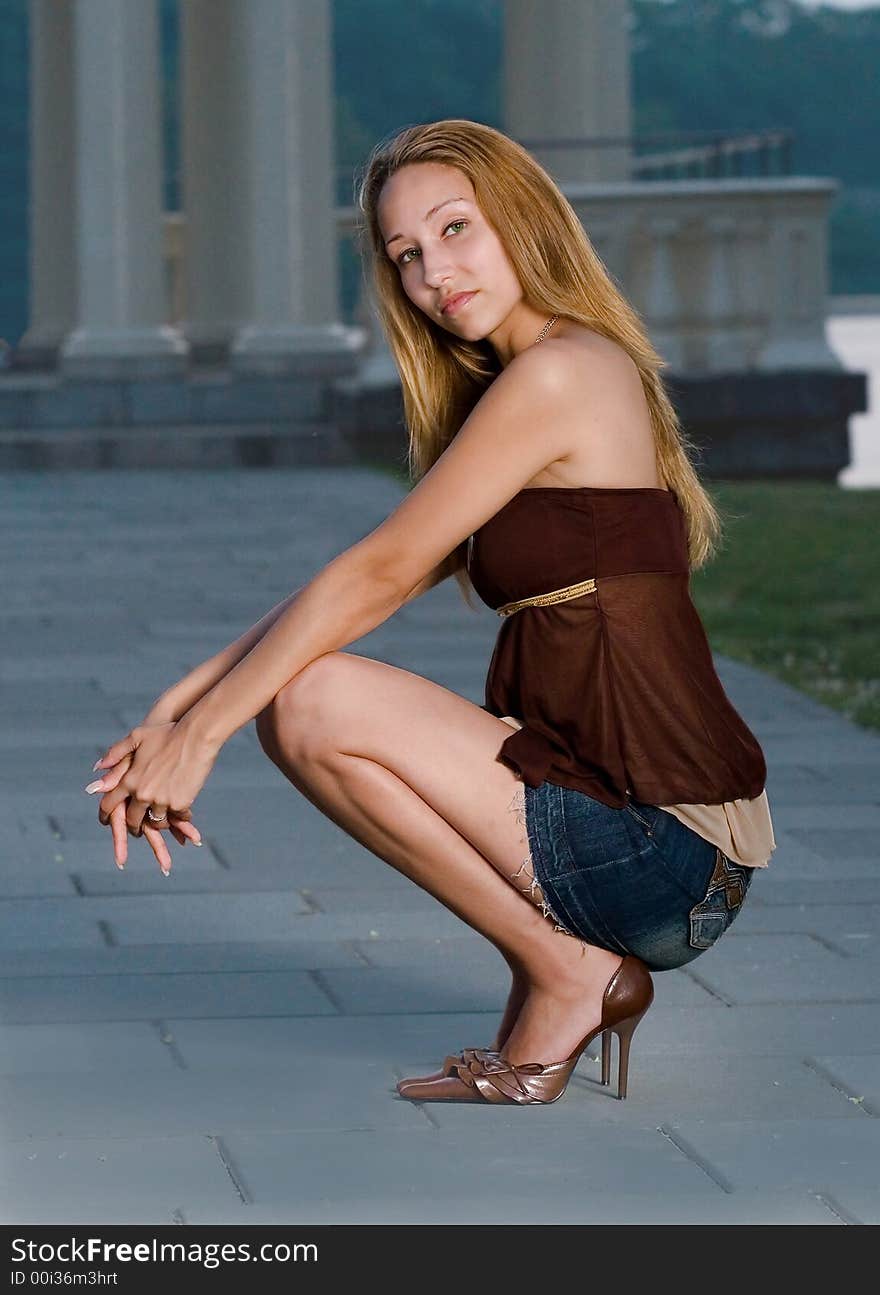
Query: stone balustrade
point(728, 276)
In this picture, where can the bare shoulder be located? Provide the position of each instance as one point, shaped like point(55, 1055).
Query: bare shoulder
point(611, 442)
point(597, 367)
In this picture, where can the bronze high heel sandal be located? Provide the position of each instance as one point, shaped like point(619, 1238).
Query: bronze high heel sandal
point(478, 1075)
point(449, 1065)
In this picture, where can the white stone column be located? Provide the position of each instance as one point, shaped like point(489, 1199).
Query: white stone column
point(213, 149)
point(289, 236)
point(51, 197)
point(120, 329)
point(566, 76)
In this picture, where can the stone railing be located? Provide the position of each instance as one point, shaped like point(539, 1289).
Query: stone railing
point(728, 275)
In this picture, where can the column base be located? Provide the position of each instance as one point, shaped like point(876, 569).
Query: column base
point(160, 351)
point(797, 353)
point(208, 342)
point(38, 348)
point(326, 350)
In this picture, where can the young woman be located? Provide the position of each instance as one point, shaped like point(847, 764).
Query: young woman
point(601, 815)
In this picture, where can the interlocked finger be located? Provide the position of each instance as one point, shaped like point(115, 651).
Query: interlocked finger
point(179, 824)
point(110, 777)
point(159, 848)
point(136, 814)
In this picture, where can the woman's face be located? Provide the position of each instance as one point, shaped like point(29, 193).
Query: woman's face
point(442, 245)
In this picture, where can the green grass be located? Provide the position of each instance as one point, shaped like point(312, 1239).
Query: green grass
point(795, 588)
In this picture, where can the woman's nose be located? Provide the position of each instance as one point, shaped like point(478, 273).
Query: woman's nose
point(436, 270)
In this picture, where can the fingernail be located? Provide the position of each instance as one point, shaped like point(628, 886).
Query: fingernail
point(166, 872)
point(197, 843)
point(96, 765)
point(95, 786)
point(120, 866)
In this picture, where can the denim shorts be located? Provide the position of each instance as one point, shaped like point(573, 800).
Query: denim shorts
point(633, 880)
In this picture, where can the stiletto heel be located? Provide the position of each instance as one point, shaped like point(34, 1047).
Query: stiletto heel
point(624, 1031)
point(478, 1075)
point(606, 1057)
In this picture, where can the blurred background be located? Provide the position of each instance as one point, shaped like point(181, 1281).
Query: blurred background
point(180, 285)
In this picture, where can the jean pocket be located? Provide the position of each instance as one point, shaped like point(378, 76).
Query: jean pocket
point(724, 898)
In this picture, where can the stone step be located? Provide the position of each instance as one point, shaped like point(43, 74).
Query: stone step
point(276, 443)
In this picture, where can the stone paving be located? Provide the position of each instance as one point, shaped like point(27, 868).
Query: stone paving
point(221, 1046)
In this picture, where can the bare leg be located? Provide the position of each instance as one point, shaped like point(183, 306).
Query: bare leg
point(338, 727)
point(516, 996)
point(519, 986)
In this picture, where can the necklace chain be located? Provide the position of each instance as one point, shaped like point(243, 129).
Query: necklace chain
point(546, 329)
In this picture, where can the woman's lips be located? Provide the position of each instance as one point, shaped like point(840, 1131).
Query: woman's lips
point(455, 304)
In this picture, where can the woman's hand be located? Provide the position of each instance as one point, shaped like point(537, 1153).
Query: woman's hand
point(163, 765)
point(179, 824)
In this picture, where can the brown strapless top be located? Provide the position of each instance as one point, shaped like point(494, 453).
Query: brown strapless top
point(615, 689)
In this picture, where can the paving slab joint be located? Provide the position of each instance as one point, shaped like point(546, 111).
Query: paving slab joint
point(308, 898)
point(698, 980)
point(857, 1099)
point(232, 1170)
point(167, 1039)
point(55, 827)
point(320, 980)
point(214, 848)
point(690, 1153)
point(354, 948)
point(830, 945)
point(107, 934)
point(834, 1207)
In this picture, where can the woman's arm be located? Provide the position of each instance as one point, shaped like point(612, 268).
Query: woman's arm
point(528, 418)
point(349, 597)
point(182, 696)
point(442, 571)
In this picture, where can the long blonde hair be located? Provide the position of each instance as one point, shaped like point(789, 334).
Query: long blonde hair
point(442, 376)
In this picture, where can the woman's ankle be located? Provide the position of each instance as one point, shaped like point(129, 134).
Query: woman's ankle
point(574, 964)
point(515, 998)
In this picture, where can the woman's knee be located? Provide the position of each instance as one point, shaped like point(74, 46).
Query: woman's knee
point(292, 712)
point(265, 724)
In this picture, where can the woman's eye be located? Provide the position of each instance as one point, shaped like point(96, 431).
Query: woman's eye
point(402, 258)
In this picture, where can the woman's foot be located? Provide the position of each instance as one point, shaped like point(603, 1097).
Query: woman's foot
point(496, 1077)
point(551, 1016)
point(516, 997)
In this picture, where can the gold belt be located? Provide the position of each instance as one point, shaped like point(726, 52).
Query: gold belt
point(544, 600)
